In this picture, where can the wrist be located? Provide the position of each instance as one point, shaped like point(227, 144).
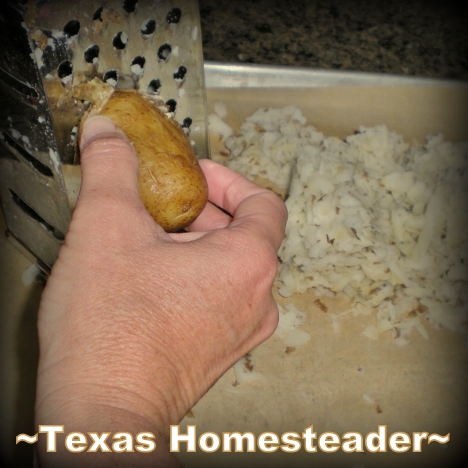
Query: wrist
point(92, 407)
point(100, 354)
point(149, 394)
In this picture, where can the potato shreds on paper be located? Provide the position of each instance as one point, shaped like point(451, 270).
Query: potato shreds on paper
point(373, 218)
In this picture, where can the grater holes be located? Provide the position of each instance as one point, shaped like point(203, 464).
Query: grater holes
point(72, 28)
point(148, 27)
point(179, 74)
point(74, 134)
point(111, 77)
point(138, 65)
point(91, 54)
point(164, 51)
point(25, 208)
point(154, 87)
point(171, 104)
point(173, 17)
point(186, 123)
point(65, 72)
point(98, 14)
point(12, 145)
point(130, 6)
point(120, 40)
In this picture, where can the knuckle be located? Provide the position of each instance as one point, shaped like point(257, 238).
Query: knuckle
point(271, 321)
point(109, 165)
point(265, 259)
point(283, 209)
point(102, 150)
point(279, 208)
point(271, 267)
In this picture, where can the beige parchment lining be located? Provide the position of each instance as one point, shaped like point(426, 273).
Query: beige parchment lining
point(422, 386)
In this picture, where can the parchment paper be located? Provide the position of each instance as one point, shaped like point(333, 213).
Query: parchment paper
point(422, 386)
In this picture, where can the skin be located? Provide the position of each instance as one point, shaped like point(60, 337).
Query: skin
point(136, 324)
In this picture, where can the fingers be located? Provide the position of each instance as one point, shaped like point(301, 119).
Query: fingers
point(210, 218)
point(108, 161)
point(253, 207)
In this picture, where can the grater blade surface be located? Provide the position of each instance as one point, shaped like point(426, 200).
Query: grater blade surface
point(50, 46)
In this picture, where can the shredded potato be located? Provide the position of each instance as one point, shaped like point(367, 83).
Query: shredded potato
point(382, 222)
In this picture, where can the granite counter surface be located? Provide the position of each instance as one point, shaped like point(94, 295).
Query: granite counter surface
point(412, 37)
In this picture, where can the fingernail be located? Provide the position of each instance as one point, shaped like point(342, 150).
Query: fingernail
point(99, 126)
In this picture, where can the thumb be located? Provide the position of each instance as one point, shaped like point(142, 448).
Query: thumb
point(108, 161)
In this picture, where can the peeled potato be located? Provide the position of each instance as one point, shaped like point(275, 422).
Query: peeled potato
point(172, 185)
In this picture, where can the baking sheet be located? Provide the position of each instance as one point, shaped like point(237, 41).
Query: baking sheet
point(251, 75)
point(415, 388)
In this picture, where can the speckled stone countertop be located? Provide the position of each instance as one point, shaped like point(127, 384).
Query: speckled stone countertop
point(412, 37)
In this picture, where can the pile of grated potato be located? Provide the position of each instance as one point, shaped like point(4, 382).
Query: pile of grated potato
point(382, 222)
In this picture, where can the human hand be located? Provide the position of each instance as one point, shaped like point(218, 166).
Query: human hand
point(136, 324)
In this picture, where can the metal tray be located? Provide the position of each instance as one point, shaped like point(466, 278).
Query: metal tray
point(419, 387)
point(429, 398)
point(233, 75)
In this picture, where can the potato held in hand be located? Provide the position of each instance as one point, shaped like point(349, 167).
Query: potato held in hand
point(171, 183)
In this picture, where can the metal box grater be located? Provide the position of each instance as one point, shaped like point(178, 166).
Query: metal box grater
point(47, 47)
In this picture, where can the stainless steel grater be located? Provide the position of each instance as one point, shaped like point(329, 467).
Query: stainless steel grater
point(49, 46)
